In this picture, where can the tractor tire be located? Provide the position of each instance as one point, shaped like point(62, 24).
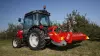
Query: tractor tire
point(16, 42)
point(36, 40)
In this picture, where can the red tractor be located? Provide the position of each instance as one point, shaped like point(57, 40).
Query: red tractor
point(36, 32)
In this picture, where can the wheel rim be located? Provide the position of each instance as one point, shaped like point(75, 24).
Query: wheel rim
point(14, 43)
point(33, 39)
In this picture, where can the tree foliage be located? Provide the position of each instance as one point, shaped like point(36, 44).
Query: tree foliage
point(9, 33)
point(83, 25)
point(55, 23)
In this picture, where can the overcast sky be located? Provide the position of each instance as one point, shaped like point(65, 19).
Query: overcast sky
point(11, 10)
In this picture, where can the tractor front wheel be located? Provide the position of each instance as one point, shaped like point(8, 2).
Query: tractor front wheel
point(16, 42)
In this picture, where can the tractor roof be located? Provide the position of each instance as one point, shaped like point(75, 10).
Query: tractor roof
point(38, 11)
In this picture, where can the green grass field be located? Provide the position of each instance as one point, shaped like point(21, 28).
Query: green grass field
point(86, 48)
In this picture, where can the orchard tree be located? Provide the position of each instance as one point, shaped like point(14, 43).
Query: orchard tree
point(82, 25)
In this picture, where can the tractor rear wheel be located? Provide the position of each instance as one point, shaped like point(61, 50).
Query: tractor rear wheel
point(36, 39)
point(16, 42)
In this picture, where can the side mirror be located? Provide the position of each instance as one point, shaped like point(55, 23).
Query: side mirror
point(19, 19)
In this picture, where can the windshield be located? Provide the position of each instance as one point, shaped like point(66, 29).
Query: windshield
point(44, 20)
point(28, 21)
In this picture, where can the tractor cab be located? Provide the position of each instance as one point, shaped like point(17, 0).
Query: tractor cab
point(36, 18)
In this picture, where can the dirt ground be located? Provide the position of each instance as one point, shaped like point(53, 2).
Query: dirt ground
point(85, 48)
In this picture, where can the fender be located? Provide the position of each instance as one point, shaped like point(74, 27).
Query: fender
point(20, 34)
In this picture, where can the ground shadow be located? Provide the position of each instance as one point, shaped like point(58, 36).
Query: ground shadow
point(69, 46)
point(95, 39)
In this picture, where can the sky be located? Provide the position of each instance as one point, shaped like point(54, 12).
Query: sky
point(11, 10)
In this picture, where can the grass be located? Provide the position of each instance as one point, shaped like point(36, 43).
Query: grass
point(86, 48)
